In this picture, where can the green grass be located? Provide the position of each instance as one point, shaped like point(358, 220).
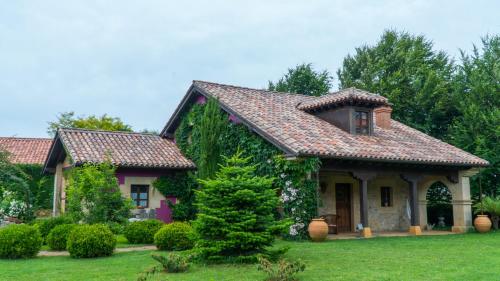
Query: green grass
point(453, 257)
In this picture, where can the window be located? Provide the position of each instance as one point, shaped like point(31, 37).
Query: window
point(140, 195)
point(386, 196)
point(362, 122)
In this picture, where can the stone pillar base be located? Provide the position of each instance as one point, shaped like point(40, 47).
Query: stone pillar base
point(415, 230)
point(461, 229)
point(366, 232)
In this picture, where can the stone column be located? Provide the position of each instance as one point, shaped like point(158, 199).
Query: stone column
point(462, 211)
point(363, 178)
point(56, 203)
point(414, 204)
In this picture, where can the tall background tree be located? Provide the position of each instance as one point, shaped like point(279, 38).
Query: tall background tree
point(303, 79)
point(476, 128)
point(415, 78)
point(104, 122)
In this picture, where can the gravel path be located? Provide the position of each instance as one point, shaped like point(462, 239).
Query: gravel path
point(117, 250)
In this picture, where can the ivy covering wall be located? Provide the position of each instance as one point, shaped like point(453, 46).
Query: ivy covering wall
point(296, 179)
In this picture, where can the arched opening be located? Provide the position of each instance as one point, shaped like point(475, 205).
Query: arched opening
point(439, 207)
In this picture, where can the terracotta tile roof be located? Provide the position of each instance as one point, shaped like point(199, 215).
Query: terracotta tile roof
point(26, 150)
point(276, 116)
point(349, 95)
point(124, 149)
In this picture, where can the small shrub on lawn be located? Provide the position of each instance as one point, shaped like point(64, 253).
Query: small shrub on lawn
point(58, 236)
point(142, 232)
point(172, 263)
point(175, 236)
point(19, 241)
point(46, 225)
point(284, 271)
point(89, 241)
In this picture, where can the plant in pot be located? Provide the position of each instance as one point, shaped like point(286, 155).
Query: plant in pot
point(318, 230)
point(482, 222)
point(491, 206)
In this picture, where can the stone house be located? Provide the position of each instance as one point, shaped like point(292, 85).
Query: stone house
point(375, 171)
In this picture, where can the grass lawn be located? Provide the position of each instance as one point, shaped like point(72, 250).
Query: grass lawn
point(452, 257)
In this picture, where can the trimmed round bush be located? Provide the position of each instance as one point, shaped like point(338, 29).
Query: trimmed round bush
point(58, 236)
point(142, 232)
point(175, 236)
point(46, 225)
point(19, 241)
point(90, 241)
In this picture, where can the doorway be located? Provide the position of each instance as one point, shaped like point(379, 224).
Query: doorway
point(343, 206)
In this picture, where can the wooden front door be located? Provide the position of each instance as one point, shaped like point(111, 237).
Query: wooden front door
point(343, 206)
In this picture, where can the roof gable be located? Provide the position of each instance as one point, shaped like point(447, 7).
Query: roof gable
point(123, 149)
point(279, 119)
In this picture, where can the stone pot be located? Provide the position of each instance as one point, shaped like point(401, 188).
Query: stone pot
point(318, 230)
point(482, 223)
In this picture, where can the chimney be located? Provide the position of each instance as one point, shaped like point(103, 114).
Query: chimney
point(383, 117)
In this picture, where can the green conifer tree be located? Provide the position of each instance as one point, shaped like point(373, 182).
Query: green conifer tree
point(235, 219)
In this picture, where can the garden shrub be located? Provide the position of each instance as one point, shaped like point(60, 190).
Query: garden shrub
point(172, 263)
point(47, 224)
point(94, 196)
point(175, 236)
point(236, 213)
point(89, 241)
point(142, 232)
point(284, 271)
point(116, 227)
point(19, 241)
point(58, 236)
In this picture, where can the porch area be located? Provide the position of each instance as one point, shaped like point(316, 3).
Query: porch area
point(356, 235)
point(365, 200)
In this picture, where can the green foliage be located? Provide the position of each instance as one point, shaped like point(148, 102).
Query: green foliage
point(211, 126)
point(284, 271)
point(181, 185)
point(235, 219)
point(142, 232)
point(15, 193)
point(19, 241)
point(40, 185)
point(175, 236)
point(415, 78)
point(45, 225)
point(299, 192)
point(267, 158)
point(93, 195)
point(303, 79)
point(104, 122)
point(90, 241)
point(477, 128)
point(57, 238)
point(116, 227)
point(172, 263)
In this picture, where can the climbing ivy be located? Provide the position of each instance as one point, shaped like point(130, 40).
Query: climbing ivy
point(295, 179)
point(181, 185)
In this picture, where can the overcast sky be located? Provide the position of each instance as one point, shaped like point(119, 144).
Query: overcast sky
point(136, 59)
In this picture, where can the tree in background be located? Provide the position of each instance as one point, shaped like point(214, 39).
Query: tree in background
point(235, 212)
point(93, 195)
point(303, 79)
point(104, 122)
point(16, 198)
point(477, 128)
point(415, 78)
point(210, 129)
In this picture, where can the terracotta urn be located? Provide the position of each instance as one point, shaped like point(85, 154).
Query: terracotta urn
point(318, 230)
point(482, 223)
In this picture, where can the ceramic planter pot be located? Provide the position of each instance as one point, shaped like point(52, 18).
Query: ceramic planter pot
point(318, 230)
point(482, 223)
